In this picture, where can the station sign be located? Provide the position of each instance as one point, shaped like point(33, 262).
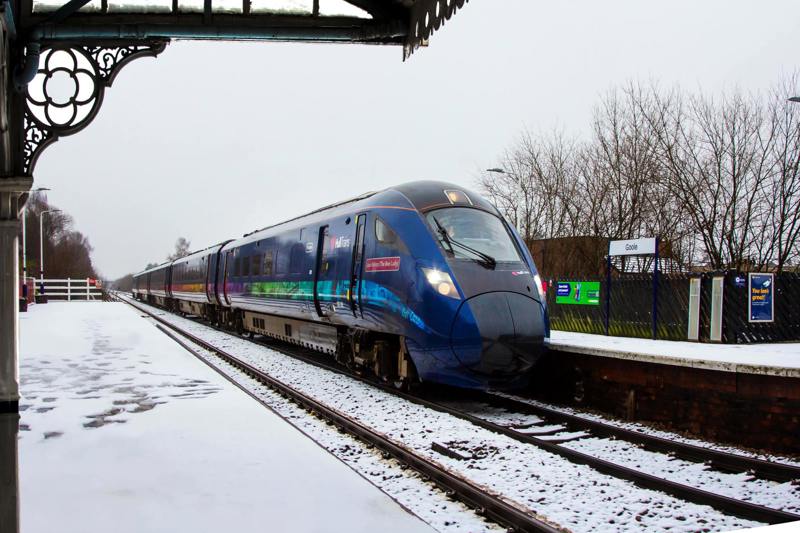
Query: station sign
point(578, 292)
point(633, 247)
point(761, 297)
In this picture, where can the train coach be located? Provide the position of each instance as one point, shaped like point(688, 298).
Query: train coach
point(421, 282)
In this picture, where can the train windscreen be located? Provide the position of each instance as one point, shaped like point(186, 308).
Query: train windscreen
point(467, 233)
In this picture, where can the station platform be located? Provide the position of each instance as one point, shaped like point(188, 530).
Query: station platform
point(777, 359)
point(744, 394)
point(123, 430)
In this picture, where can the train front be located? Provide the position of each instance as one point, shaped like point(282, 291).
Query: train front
point(482, 294)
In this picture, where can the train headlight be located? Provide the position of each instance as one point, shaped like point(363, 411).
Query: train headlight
point(442, 282)
point(539, 288)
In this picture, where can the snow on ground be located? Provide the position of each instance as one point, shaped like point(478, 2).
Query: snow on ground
point(574, 496)
point(776, 359)
point(123, 430)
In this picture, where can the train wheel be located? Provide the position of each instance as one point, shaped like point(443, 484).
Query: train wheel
point(401, 384)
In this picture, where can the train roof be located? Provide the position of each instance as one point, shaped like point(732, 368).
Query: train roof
point(208, 250)
point(427, 195)
point(153, 269)
point(417, 195)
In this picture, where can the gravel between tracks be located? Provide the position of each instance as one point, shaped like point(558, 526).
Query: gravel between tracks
point(741, 486)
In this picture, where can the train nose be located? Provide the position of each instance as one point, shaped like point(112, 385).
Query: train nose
point(511, 330)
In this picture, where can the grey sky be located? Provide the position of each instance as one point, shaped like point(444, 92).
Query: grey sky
point(212, 140)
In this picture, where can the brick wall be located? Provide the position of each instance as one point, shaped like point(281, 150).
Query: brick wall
point(744, 409)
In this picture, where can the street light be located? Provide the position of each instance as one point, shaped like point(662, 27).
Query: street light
point(41, 243)
point(795, 99)
point(25, 241)
point(496, 170)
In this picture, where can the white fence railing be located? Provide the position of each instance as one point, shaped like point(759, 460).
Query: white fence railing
point(69, 289)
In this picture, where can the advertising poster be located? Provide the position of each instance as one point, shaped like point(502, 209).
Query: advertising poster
point(761, 297)
point(578, 292)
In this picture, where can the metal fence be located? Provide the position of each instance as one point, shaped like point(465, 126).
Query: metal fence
point(68, 289)
point(631, 308)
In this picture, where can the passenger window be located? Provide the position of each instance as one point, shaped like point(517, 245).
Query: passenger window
point(281, 261)
point(384, 233)
point(246, 266)
point(237, 267)
point(297, 259)
point(257, 259)
point(268, 263)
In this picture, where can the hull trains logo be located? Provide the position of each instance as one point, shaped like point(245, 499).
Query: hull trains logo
point(383, 264)
point(520, 273)
point(339, 242)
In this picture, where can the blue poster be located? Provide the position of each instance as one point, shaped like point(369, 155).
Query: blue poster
point(761, 297)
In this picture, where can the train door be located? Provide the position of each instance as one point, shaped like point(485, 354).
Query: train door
point(227, 271)
point(321, 269)
point(209, 272)
point(356, 268)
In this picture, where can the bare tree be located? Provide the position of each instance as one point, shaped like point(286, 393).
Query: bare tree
point(717, 161)
point(68, 252)
point(779, 215)
point(535, 188)
point(717, 178)
point(181, 249)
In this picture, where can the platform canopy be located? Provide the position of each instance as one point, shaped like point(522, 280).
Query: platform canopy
point(408, 23)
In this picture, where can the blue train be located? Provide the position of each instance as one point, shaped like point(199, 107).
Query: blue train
point(421, 282)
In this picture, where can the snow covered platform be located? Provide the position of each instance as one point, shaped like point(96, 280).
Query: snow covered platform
point(747, 395)
point(777, 359)
point(123, 430)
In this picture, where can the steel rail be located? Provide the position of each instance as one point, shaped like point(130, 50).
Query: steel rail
point(720, 460)
point(725, 504)
point(486, 504)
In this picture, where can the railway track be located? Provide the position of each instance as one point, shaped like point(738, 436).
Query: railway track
point(719, 460)
point(544, 435)
point(484, 502)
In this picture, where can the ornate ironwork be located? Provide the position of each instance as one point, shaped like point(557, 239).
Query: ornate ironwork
point(427, 16)
point(67, 91)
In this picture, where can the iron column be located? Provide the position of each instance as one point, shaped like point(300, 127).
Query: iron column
point(12, 195)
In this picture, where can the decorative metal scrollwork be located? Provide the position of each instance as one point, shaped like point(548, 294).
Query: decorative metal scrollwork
point(67, 91)
point(427, 16)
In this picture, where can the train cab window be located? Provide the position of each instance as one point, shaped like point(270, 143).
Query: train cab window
point(384, 233)
point(256, 268)
point(268, 263)
point(468, 233)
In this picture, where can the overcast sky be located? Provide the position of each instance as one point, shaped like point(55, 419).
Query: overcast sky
point(211, 140)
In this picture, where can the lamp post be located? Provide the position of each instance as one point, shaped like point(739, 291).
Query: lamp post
point(25, 244)
point(41, 246)
point(795, 99)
